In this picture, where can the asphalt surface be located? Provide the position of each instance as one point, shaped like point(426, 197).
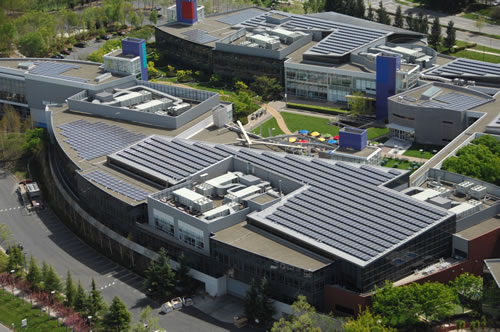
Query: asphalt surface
point(460, 22)
point(46, 238)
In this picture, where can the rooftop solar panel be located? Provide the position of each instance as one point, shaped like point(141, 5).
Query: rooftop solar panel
point(199, 36)
point(468, 67)
point(117, 185)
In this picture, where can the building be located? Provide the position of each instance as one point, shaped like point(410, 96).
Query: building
point(316, 58)
point(436, 113)
point(129, 60)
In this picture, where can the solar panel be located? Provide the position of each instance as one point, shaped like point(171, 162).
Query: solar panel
point(199, 36)
point(55, 69)
point(116, 185)
point(461, 67)
point(240, 17)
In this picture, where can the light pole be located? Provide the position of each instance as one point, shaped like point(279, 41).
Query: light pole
point(90, 323)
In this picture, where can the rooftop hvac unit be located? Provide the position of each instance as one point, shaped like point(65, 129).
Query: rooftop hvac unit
point(245, 43)
point(478, 192)
point(253, 45)
point(464, 187)
point(178, 109)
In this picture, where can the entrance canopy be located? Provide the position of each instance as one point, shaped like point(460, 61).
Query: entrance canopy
point(408, 130)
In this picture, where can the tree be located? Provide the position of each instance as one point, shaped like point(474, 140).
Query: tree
point(34, 275)
point(69, 290)
point(134, 19)
point(160, 278)
point(435, 36)
point(153, 17)
point(366, 321)
point(5, 234)
point(51, 282)
point(80, 302)
point(251, 301)
point(468, 290)
point(266, 87)
point(45, 270)
point(491, 302)
point(424, 27)
point(95, 302)
point(480, 23)
point(382, 15)
point(450, 39)
point(118, 317)
point(358, 103)
point(266, 308)
point(147, 322)
point(410, 21)
point(239, 85)
point(397, 305)
point(16, 259)
point(184, 280)
point(398, 18)
point(334, 6)
point(350, 8)
point(360, 9)
point(32, 44)
point(370, 16)
point(420, 22)
point(435, 300)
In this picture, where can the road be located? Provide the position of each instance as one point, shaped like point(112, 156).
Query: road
point(46, 238)
point(460, 22)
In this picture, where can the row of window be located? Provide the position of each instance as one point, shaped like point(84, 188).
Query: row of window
point(186, 233)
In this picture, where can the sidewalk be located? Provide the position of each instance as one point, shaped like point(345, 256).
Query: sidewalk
point(4, 328)
point(278, 117)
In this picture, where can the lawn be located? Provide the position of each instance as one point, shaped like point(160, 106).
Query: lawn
point(272, 124)
point(377, 132)
point(297, 122)
point(467, 53)
point(401, 164)
point(414, 151)
point(13, 310)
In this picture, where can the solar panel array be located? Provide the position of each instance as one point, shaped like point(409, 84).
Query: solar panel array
point(343, 39)
point(199, 36)
point(175, 159)
point(240, 17)
point(117, 185)
point(54, 69)
point(460, 102)
point(465, 66)
point(345, 208)
point(95, 139)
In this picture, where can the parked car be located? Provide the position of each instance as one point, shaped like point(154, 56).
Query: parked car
point(187, 301)
point(81, 45)
point(166, 308)
point(176, 302)
point(106, 37)
point(157, 8)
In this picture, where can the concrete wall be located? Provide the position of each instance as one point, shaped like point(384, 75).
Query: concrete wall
point(477, 218)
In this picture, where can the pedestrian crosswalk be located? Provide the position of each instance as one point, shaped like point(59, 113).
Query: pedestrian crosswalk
point(10, 209)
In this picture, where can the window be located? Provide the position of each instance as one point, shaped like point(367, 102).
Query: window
point(403, 117)
point(448, 122)
point(164, 222)
point(191, 235)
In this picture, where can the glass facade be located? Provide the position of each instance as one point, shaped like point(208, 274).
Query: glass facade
point(190, 235)
point(164, 222)
point(325, 86)
point(13, 90)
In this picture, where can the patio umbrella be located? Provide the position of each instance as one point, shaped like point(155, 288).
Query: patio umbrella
point(336, 137)
point(327, 135)
point(332, 141)
point(321, 139)
point(315, 133)
point(303, 132)
point(292, 139)
point(302, 141)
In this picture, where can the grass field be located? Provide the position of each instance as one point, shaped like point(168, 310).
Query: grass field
point(296, 122)
point(13, 310)
point(376, 132)
point(467, 53)
point(414, 151)
point(271, 123)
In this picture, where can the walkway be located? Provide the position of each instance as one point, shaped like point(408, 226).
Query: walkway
point(279, 119)
point(479, 51)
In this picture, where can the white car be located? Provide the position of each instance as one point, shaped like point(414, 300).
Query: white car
point(187, 301)
point(166, 308)
point(176, 303)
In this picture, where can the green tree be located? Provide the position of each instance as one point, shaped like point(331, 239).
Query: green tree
point(410, 21)
point(468, 290)
point(95, 302)
point(16, 258)
point(398, 18)
point(5, 234)
point(370, 16)
point(435, 36)
point(491, 303)
point(51, 282)
point(251, 301)
point(32, 44)
point(421, 26)
point(45, 270)
point(239, 85)
point(358, 103)
point(153, 17)
point(366, 321)
point(147, 322)
point(160, 278)
point(424, 27)
point(80, 302)
point(266, 308)
point(334, 6)
point(184, 280)
point(118, 317)
point(382, 15)
point(360, 9)
point(266, 87)
point(34, 275)
point(397, 305)
point(451, 36)
point(134, 19)
point(69, 290)
point(480, 23)
point(8, 33)
point(435, 300)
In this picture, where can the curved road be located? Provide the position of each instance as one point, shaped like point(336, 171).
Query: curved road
point(46, 238)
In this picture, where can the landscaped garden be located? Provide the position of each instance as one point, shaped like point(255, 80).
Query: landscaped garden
point(424, 151)
point(269, 124)
point(401, 163)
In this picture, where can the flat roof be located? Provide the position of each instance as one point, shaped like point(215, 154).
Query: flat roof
point(493, 266)
point(467, 68)
point(366, 152)
point(81, 70)
point(480, 229)
point(257, 241)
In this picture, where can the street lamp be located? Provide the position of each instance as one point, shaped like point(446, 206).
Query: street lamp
point(90, 323)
